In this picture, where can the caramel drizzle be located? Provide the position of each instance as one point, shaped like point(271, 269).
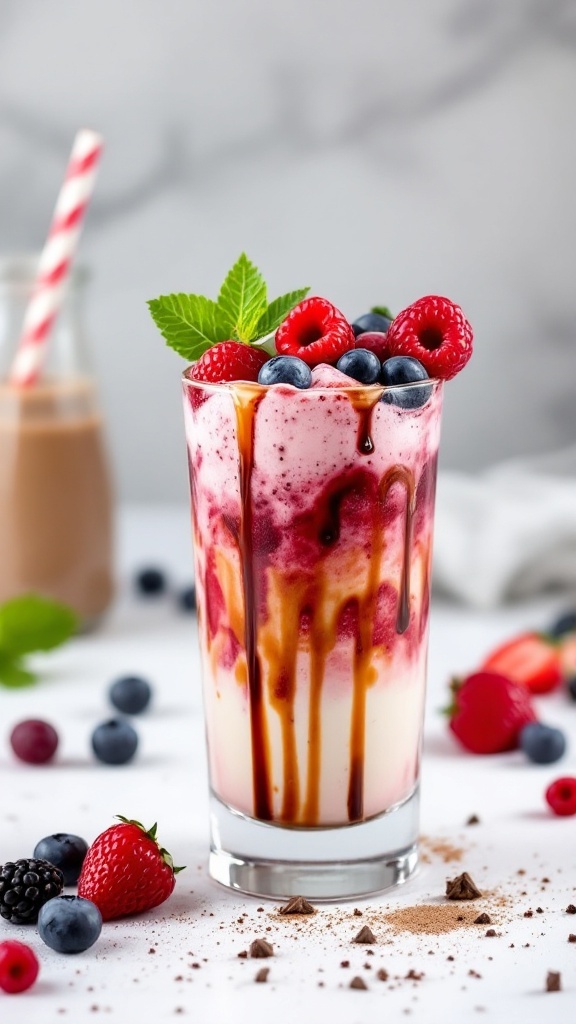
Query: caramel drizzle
point(246, 401)
point(364, 673)
point(364, 402)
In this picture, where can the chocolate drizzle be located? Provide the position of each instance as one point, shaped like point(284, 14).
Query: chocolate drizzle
point(246, 401)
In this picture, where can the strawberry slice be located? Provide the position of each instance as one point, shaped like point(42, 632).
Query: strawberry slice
point(528, 659)
point(228, 361)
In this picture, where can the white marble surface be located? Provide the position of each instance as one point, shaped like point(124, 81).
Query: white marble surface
point(375, 151)
point(121, 979)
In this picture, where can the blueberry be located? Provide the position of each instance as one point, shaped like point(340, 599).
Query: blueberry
point(69, 924)
point(571, 682)
point(286, 370)
point(360, 364)
point(130, 694)
point(541, 743)
point(187, 599)
point(150, 581)
point(64, 851)
point(371, 322)
point(565, 623)
point(404, 370)
point(115, 741)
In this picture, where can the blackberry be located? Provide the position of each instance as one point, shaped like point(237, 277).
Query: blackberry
point(25, 885)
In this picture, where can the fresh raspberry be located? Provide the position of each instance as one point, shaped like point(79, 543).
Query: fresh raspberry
point(125, 871)
point(528, 659)
point(316, 332)
point(18, 966)
point(561, 796)
point(229, 360)
point(435, 331)
point(374, 341)
point(488, 712)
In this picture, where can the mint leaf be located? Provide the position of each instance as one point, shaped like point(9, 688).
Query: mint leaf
point(189, 323)
point(383, 311)
point(13, 675)
point(277, 311)
point(33, 623)
point(242, 299)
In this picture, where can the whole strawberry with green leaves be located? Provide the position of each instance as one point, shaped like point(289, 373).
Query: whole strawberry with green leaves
point(126, 871)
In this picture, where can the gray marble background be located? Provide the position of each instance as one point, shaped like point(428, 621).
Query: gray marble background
point(376, 150)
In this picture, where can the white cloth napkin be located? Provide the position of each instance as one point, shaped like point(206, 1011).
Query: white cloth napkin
point(507, 532)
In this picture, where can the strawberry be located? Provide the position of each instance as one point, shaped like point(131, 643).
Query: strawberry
point(228, 361)
point(435, 331)
point(488, 712)
point(316, 332)
point(529, 659)
point(125, 870)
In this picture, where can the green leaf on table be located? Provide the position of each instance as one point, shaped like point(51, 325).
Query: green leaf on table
point(190, 324)
point(13, 675)
point(33, 623)
point(242, 299)
point(277, 311)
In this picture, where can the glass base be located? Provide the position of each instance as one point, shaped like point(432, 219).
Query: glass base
point(269, 860)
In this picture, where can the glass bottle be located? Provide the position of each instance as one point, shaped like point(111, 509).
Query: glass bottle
point(56, 501)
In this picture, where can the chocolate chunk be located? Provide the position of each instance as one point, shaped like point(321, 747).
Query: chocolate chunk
point(473, 820)
point(414, 975)
point(260, 948)
point(528, 913)
point(262, 974)
point(242, 954)
point(382, 975)
point(491, 933)
point(365, 935)
point(345, 963)
point(358, 982)
point(297, 905)
point(357, 912)
point(553, 981)
point(572, 937)
point(462, 888)
point(571, 909)
point(483, 919)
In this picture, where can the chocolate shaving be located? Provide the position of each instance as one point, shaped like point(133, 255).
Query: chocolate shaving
point(483, 919)
point(243, 954)
point(297, 905)
point(462, 888)
point(473, 820)
point(553, 981)
point(260, 948)
point(262, 974)
point(358, 982)
point(365, 935)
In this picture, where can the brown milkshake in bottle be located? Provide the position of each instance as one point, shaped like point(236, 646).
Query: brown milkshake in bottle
point(56, 521)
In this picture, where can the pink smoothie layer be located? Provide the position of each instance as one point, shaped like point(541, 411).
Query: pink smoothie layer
point(313, 514)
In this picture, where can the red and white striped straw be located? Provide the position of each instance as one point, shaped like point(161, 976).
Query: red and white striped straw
point(57, 257)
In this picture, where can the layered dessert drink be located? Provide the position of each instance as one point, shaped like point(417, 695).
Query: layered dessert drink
point(312, 450)
point(313, 513)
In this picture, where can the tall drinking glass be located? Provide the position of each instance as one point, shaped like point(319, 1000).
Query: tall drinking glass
point(312, 518)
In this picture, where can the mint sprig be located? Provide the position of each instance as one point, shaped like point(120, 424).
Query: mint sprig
point(28, 624)
point(191, 324)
